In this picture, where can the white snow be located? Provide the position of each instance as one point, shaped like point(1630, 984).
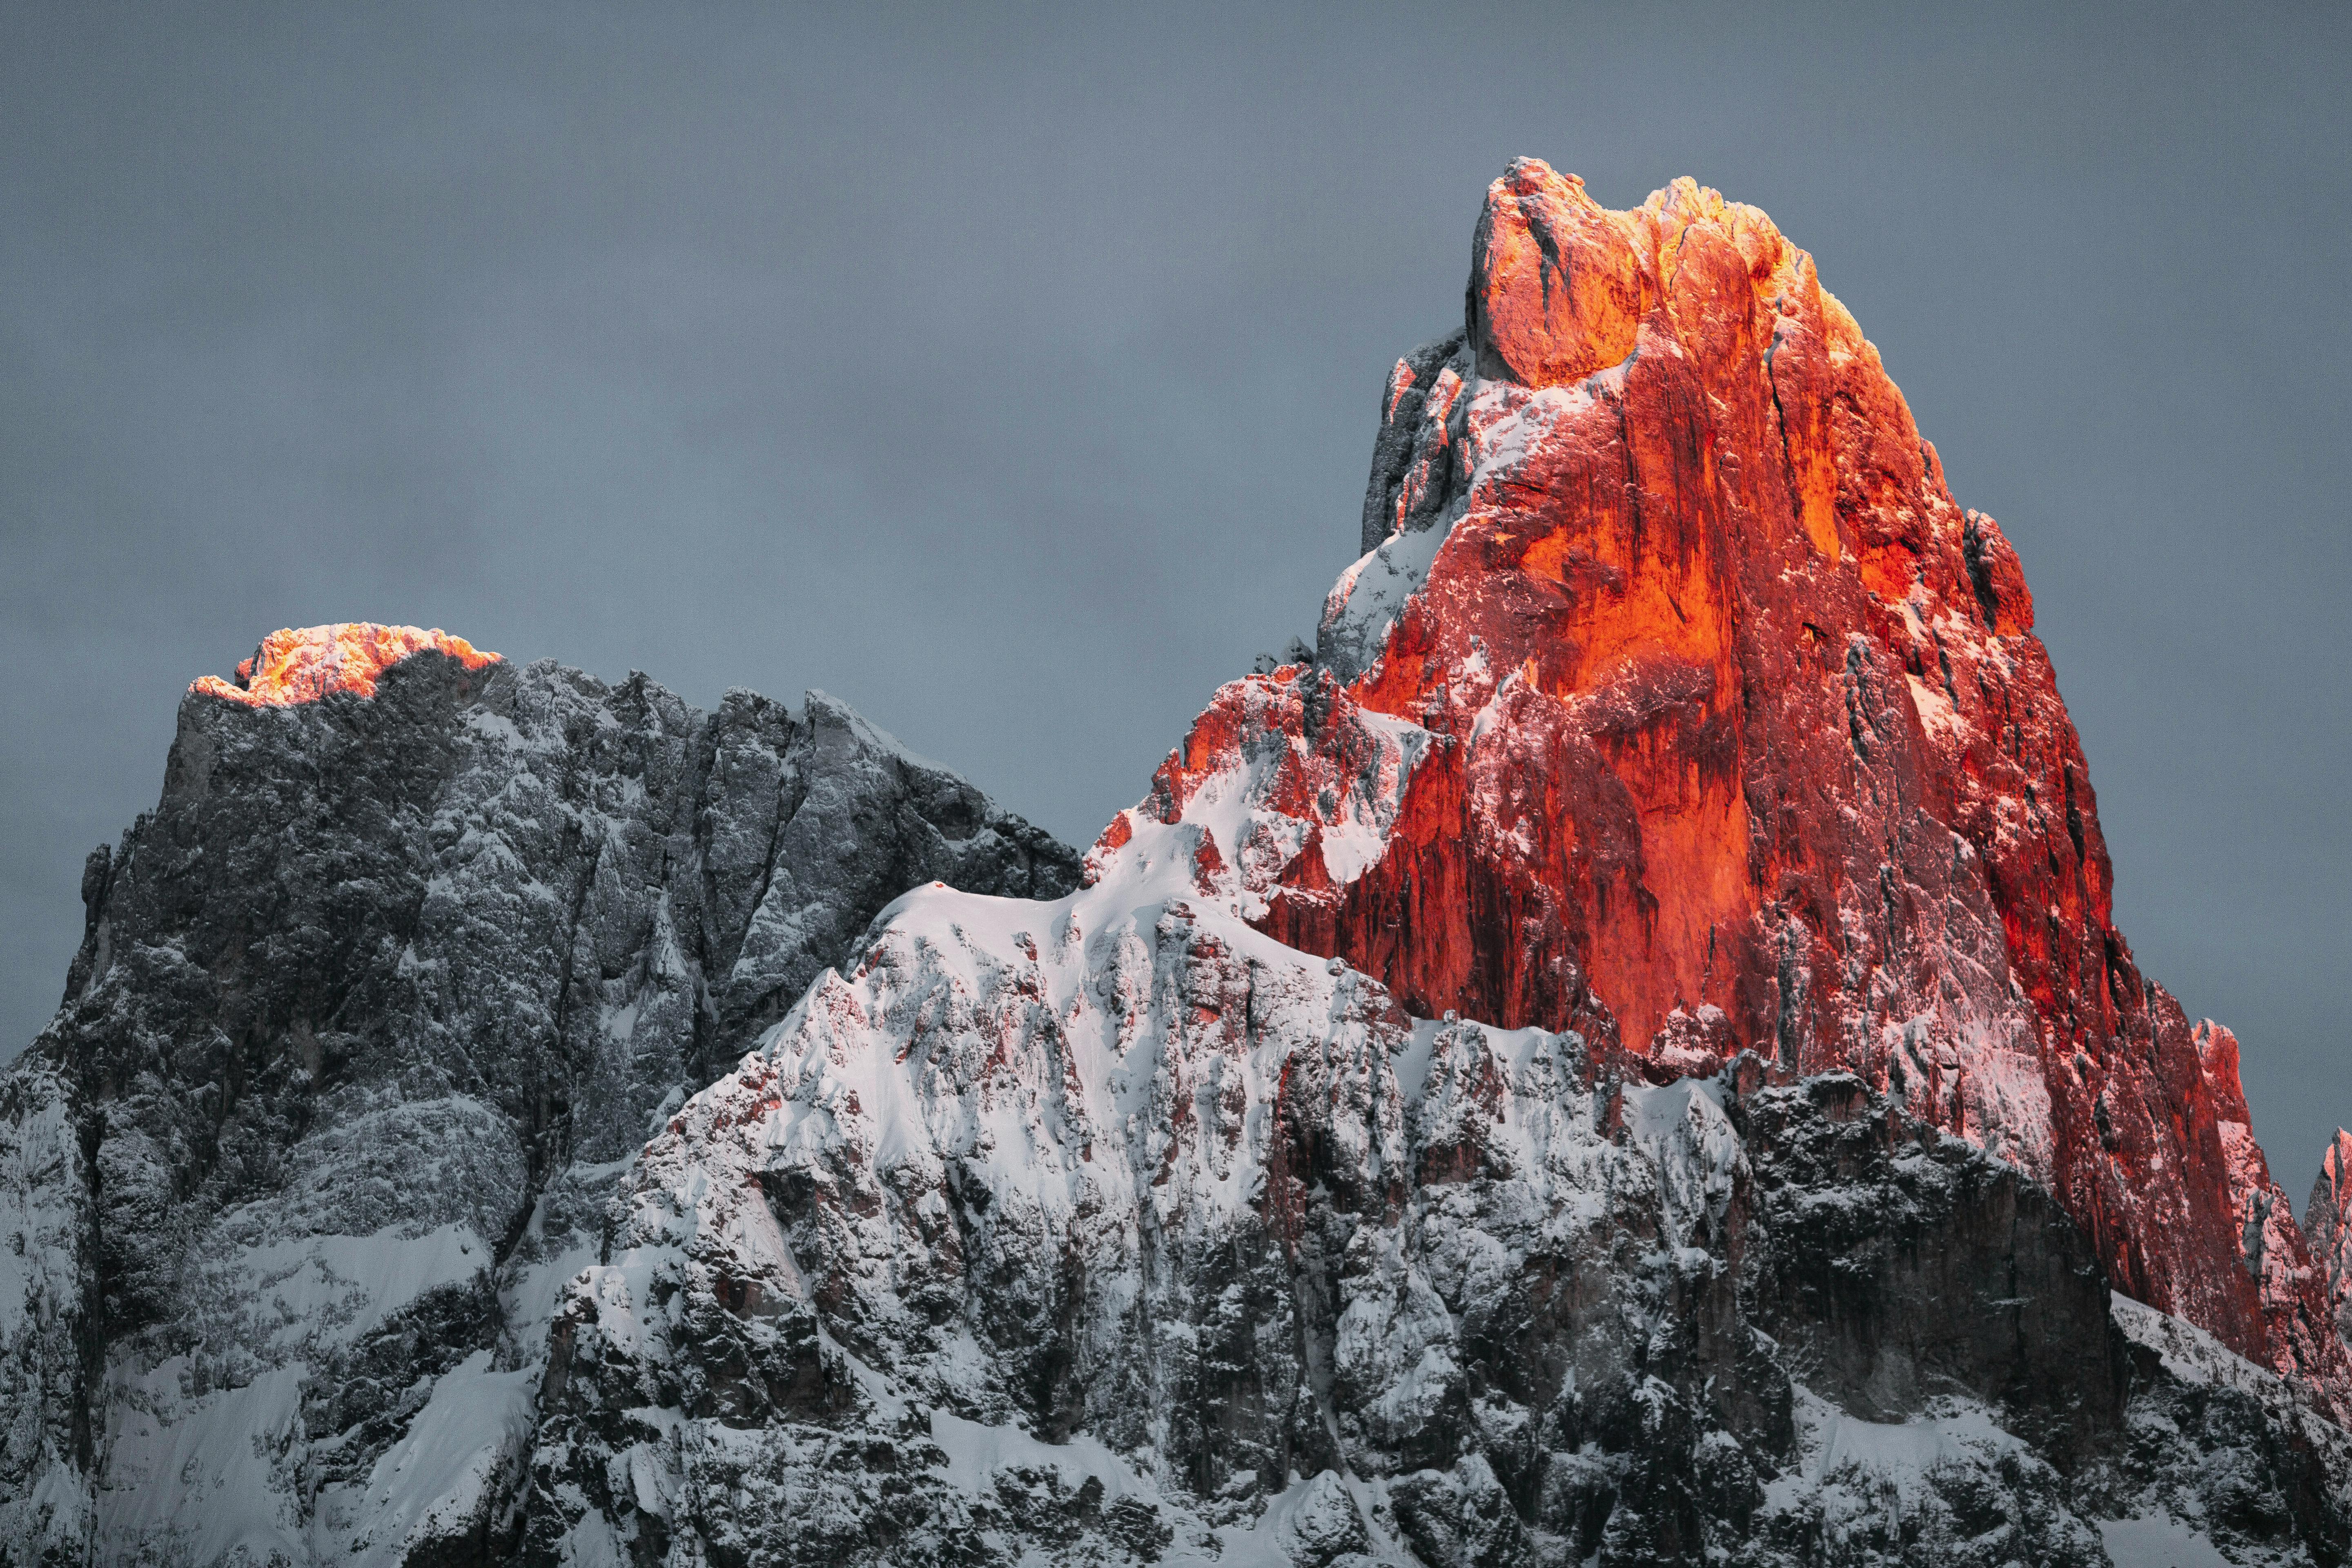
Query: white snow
point(1303, 1513)
point(332, 1289)
point(1370, 595)
point(224, 1426)
point(1937, 715)
point(39, 1168)
point(865, 729)
point(2188, 1352)
point(975, 1453)
point(211, 1482)
point(474, 1433)
point(2159, 1543)
point(1903, 1451)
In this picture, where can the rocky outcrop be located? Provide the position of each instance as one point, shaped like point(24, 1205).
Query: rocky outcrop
point(303, 664)
point(415, 947)
point(1731, 734)
point(2327, 1227)
point(49, 1349)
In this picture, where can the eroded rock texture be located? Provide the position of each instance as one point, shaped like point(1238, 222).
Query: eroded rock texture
point(415, 946)
point(1732, 733)
point(1110, 1230)
point(2327, 1226)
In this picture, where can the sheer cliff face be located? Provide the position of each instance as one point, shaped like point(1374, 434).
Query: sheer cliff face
point(414, 941)
point(2327, 1226)
point(1733, 734)
point(514, 889)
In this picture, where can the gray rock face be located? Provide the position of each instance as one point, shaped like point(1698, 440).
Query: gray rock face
point(48, 1322)
point(1413, 474)
point(364, 1010)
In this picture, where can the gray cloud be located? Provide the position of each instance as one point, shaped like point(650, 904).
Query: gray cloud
point(1013, 376)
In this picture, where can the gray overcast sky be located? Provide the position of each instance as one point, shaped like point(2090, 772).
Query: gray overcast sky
point(1012, 374)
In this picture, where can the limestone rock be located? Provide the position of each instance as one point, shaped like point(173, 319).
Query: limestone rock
point(413, 953)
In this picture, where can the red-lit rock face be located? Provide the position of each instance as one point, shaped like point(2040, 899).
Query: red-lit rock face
point(2327, 1226)
point(1684, 706)
point(305, 664)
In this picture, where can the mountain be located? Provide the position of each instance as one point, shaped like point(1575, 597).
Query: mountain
point(413, 951)
point(1619, 1054)
point(1748, 744)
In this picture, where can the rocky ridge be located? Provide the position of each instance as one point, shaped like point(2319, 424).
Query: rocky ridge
point(1108, 1230)
point(415, 949)
point(2327, 1226)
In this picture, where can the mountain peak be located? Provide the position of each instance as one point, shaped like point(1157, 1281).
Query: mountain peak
point(1676, 701)
point(303, 664)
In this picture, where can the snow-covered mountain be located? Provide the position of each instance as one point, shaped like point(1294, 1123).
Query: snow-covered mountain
point(1620, 1055)
point(414, 950)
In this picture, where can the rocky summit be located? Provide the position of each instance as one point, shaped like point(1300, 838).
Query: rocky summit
point(1619, 1054)
point(413, 952)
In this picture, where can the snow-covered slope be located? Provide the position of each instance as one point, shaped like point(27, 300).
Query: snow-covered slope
point(1107, 1229)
